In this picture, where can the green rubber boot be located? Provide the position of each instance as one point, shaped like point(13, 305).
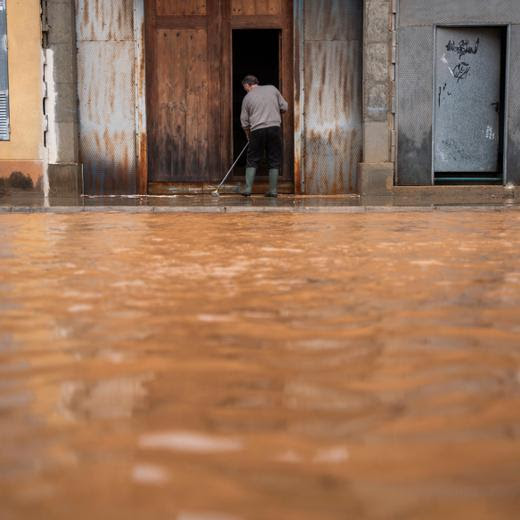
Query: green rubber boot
point(273, 184)
point(250, 178)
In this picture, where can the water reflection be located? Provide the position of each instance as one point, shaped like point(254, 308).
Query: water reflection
point(260, 366)
point(149, 474)
point(205, 516)
point(190, 442)
point(107, 399)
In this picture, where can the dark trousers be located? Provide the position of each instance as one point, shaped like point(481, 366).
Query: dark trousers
point(268, 140)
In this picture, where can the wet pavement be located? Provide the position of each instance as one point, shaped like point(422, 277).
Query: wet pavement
point(205, 203)
point(409, 198)
point(260, 366)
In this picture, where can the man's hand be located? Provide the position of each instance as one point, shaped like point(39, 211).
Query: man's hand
point(248, 133)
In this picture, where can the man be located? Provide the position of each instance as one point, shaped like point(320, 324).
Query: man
point(261, 119)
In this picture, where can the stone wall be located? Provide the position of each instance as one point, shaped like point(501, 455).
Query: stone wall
point(61, 136)
point(22, 156)
point(377, 168)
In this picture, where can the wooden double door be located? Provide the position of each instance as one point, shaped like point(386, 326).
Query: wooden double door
point(190, 83)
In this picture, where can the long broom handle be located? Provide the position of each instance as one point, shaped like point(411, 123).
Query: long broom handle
point(232, 166)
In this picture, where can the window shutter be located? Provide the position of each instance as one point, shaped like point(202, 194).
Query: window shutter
point(4, 78)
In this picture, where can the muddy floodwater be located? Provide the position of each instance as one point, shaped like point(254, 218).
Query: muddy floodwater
point(249, 366)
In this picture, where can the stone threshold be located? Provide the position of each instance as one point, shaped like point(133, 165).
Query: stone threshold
point(472, 194)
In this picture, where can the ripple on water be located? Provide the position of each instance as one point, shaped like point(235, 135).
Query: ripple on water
point(150, 474)
point(191, 442)
point(219, 367)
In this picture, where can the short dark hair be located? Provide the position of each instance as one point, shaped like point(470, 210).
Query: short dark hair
point(250, 80)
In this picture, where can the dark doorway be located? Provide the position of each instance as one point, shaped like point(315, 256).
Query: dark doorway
point(257, 52)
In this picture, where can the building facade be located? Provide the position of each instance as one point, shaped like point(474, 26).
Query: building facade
point(457, 92)
point(142, 96)
point(22, 151)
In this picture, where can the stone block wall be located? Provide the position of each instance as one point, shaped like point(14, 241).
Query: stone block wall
point(61, 101)
point(377, 168)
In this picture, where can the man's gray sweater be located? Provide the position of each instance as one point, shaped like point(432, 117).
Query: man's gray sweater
point(261, 108)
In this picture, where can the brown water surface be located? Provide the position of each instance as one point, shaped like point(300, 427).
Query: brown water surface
point(292, 366)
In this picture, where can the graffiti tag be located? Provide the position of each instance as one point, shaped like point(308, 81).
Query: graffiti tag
point(463, 47)
point(461, 71)
point(443, 90)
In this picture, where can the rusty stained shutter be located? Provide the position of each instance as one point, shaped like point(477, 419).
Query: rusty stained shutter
point(333, 129)
point(4, 78)
point(106, 87)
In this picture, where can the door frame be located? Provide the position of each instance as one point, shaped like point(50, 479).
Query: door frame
point(211, 22)
point(505, 78)
point(286, 74)
point(290, 77)
point(141, 140)
point(286, 87)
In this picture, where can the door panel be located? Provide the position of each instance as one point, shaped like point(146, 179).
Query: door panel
point(182, 42)
point(181, 7)
point(179, 132)
point(260, 7)
point(468, 99)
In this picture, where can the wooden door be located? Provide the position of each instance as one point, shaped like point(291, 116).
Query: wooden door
point(183, 53)
point(188, 74)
